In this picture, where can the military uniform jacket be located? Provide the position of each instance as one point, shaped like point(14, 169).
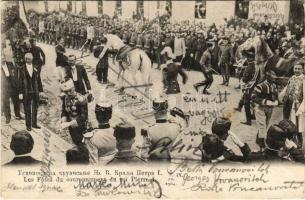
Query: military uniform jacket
point(205, 61)
point(249, 72)
point(225, 54)
point(126, 157)
point(100, 143)
point(161, 135)
point(74, 108)
point(133, 39)
point(263, 92)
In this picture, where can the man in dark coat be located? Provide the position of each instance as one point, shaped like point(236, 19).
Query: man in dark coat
point(61, 59)
point(22, 144)
point(79, 76)
point(31, 89)
point(9, 84)
point(225, 58)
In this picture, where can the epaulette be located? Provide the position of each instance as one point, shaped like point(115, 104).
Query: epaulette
point(89, 134)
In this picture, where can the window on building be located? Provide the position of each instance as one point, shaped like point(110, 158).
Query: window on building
point(118, 8)
point(168, 7)
point(100, 7)
point(84, 7)
point(242, 9)
point(46, 6)
point(69, 6)
point(140, 9)
point(200, 9)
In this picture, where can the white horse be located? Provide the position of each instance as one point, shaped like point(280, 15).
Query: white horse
point(134, 71)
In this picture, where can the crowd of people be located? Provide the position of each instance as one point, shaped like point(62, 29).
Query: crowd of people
point(210, 49)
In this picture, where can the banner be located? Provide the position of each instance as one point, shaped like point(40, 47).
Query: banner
point(272, 9)
point(22, 14)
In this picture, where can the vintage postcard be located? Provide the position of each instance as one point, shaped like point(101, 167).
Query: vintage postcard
point(152, 99)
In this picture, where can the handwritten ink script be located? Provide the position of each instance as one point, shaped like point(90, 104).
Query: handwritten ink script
point(218, 178)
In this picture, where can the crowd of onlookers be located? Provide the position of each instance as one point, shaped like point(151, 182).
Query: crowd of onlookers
point(153, 35)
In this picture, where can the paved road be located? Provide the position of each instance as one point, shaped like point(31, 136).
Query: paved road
point(135, 111)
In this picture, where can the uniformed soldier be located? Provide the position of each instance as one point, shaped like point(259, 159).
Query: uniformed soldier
point(265, 96)
point(125, 134)
point(159, 137)
point(281, 144)
point(101, 142)
point(133, 39)
point(73, 114)
point(156, 49)
point(140, 40)
point(247, 78)
point(41, 29)
point(83, 35)
point(225, 58)
point(206, 66)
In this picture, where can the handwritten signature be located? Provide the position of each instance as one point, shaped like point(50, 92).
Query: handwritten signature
point(125, 187)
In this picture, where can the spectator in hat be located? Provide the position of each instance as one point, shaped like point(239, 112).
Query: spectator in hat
point(100, 142)
point(22, 144)
point(247, 78)
point(78, 155)
point(125, 137)
point(265, 96)
point(225, 58)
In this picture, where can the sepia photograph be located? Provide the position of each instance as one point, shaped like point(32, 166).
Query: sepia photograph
point(166, 99)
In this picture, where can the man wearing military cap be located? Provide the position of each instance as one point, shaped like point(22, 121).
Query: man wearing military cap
point(225, 58)
point(74, 112)
point(206, 68)
point(100, 141)
point(247, 78)
point(22, 144)
point(125, 137)
point(159, 137)
point(280, 144)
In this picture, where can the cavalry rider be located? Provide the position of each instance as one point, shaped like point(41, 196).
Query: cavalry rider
point(115, 45)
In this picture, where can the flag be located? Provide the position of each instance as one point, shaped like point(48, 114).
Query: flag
point(22, 14)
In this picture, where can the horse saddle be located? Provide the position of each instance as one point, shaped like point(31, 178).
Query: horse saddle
point(122, 54)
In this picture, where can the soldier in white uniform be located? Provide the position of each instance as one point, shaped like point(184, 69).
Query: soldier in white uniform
point(100, 142)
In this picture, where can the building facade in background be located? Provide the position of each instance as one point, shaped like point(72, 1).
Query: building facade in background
point(197, 10)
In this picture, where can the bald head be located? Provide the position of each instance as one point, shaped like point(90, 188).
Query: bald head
point(28, 58)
